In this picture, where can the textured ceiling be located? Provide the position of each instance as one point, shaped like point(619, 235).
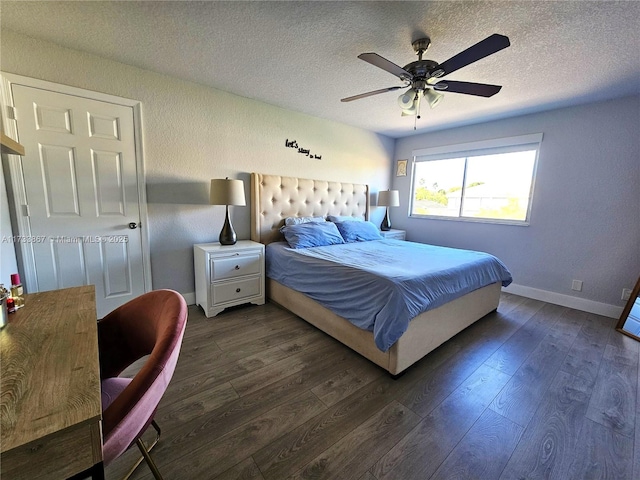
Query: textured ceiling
point(302, 56)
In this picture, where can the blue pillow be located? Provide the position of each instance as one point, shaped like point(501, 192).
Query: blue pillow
point(343, 218)
point(358, 231)
point(312, 234)
point(296, 220)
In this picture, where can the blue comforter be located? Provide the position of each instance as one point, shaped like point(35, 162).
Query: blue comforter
point(381, 285)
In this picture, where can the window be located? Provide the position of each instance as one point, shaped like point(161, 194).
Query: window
point(490, 181)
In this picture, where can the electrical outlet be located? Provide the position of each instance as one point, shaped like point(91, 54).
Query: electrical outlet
point(626, 294)
point(576, 285)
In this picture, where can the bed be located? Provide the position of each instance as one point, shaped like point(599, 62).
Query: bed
point(274, 198)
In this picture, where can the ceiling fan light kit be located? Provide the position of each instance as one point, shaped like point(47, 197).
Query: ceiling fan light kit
point(412, 110)
point(433, 97)
point(406, 99)
point(422, 76)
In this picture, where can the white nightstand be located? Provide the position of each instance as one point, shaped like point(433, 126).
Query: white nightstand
point(395, 234)
point(228, 275)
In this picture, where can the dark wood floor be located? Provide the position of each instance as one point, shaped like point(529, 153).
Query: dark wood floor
point(532, 391)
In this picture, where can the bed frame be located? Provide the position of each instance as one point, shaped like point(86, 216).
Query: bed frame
point(273, 198)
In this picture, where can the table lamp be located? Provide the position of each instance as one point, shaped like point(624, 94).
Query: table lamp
point(388, 198)
point(227, 192)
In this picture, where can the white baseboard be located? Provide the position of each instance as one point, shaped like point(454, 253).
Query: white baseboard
point(190, 298)
point(583, 304)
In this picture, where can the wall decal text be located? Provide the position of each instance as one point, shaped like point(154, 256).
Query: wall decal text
point(305, 151)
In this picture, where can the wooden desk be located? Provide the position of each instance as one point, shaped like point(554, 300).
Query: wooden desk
point(50, 388)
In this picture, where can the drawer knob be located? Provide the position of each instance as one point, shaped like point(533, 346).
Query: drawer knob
point(237, 290)
point(237, 267)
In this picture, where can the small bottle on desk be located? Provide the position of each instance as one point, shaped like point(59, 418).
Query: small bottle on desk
point(17, 292)
point(5, 308)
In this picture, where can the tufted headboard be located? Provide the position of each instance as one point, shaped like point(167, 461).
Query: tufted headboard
point(273, 198)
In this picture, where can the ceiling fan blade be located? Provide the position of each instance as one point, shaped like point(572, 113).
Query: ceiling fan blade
point(479, 89)
point(383, 63)
point(484, 48)
point(368, 94)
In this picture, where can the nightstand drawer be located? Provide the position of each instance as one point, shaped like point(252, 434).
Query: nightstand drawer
point(235, 266)
point(394, 234)
point(234, 290)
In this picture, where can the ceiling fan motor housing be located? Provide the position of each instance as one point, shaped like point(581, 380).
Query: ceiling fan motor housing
point(421, 71)
point(421, 68)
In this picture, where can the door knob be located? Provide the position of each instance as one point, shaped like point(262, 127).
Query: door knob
point(133, 225)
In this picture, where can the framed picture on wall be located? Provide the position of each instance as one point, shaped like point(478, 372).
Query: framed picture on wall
point(401, 170)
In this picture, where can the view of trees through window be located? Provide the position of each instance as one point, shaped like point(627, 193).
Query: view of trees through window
point(496, 186)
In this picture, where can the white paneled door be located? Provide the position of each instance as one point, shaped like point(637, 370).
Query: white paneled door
point(82, 193)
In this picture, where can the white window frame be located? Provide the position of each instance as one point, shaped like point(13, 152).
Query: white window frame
point(472, 149)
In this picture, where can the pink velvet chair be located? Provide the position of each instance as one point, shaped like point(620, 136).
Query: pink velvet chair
point(152, 324)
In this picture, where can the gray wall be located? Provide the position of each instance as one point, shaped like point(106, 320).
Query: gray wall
point(585, 218)
point(8, 264)
point(585, 222)
point(193, 133)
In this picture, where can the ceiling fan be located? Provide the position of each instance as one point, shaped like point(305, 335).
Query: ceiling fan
point(423, 76)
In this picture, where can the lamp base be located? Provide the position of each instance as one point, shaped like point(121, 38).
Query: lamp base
point(385, 226)
point(227, 234)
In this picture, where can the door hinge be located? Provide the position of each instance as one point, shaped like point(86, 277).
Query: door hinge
point(25, 211)
point(11, 112)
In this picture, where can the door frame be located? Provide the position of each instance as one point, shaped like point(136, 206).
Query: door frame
point(16, 187)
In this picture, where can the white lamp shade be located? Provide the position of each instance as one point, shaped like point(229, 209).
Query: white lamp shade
point(433, 97)
point(405, 100)
point(227, 192)
point(412, 109)
point(389, 198)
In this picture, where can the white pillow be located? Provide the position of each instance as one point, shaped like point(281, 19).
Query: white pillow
point(298, 220)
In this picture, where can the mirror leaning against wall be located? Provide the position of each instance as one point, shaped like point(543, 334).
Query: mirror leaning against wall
point(629, 322)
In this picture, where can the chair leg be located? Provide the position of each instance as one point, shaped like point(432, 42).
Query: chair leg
point(150, 462)
point(147, 450)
